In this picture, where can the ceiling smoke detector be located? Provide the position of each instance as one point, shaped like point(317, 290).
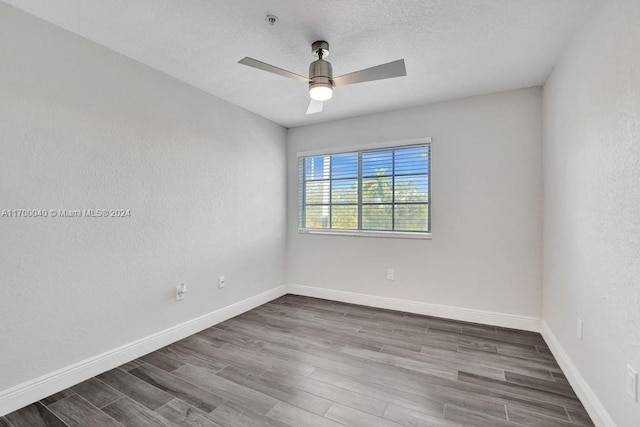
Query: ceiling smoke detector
point(271, 19)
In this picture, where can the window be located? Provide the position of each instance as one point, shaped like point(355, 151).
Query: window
point(377, 191)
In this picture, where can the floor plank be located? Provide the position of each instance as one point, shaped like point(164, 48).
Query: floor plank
point(268, 360)
point(57, 396)
point(415, 393)
point(231, 414)
point(360, 385)
point(554, 397)
point(96, 392)
point(130, 413)
point(401, 362)
point(137, 389)
point(520, 416)
point(277, 390)
point(453, 365)
point(34, 415)
point(510, 400)
point(539, 384)
point(176, 355)
point(130, 365)
point(328, 391)
point(504, 359)
point(297, 417)
point(580, 417)
point(287, 354)
point(471, 418)
point(229, 355)
point(354, 418)
point(180, 413)
point(333, 340)
point(411, 418)
point(77, 412)
point(493, 360)
point(220, 337)
point(252, 399)
point(196, 396)
point(489, 342)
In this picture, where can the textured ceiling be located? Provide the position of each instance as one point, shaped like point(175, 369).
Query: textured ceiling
point(452, 48)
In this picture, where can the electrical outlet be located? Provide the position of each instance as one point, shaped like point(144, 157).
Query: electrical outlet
point(221, 282)
point(632, 383)
point(391, 274)
point(181, 290)
point(579, 328)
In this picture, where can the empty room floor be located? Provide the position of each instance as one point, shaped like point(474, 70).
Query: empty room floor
point(299, 361)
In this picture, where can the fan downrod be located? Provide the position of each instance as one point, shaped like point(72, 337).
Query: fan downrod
point(320, 49)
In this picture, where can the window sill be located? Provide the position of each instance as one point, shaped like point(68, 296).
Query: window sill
point(363, 233)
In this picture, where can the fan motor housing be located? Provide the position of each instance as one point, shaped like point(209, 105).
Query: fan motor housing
point(320, 68)
point(320, 73)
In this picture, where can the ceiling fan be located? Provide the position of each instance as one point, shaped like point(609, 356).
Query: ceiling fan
point(321, 80)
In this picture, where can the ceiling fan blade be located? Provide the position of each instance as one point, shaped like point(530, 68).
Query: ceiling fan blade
point(379, 72)
point(272, 69)
point(315, 107)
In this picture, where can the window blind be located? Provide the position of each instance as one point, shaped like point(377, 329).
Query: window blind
point(384, 189)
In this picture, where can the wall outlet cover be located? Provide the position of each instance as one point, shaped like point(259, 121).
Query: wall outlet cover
point(181, 290)
point(632, 383)
point(391, 274)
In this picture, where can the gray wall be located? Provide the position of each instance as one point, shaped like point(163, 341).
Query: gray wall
point(592, 204)
point(487, 208)
point(82, 127)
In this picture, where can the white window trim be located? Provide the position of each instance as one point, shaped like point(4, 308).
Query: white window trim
point(374, 146)
point(367, 233)
point(370, 233)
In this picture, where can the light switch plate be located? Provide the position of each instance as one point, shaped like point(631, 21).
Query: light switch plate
point(181, 290)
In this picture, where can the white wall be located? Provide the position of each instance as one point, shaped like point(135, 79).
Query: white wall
point(84, 127)
point(487, 208)
point(592, 204)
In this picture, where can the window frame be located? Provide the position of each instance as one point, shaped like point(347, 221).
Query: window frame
point(359, 149)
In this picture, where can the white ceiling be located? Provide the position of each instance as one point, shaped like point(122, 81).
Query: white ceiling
point(452, 48)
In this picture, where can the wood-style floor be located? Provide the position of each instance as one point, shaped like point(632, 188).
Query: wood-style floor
point(300, 361)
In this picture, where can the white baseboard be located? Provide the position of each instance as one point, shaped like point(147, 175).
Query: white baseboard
point(458, 313)
point(592, 404)
point(41, 387)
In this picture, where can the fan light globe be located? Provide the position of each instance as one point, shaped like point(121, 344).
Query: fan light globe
point(321, 92)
